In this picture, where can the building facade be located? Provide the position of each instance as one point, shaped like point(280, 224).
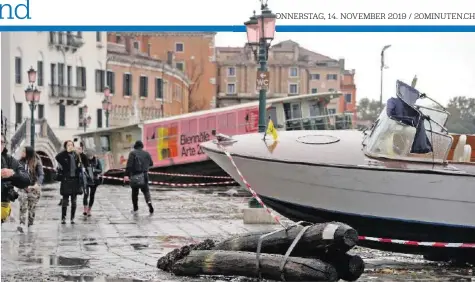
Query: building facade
point(347, 103)
point(193, 53)
point(66, 64)
point(142, 87)
point(293, 70)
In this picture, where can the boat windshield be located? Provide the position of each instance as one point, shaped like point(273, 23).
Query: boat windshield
point(399, 132)
point(438, 118)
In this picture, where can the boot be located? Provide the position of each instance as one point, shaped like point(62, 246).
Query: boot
point(64, 210)
point(73, 213)
point(89, 211)
point(85, 211)
point(150, 208)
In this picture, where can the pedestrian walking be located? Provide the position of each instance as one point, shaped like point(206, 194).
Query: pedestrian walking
point(30, 196)
point(94, 169)
point(136, 172)
point(71, 183)
point(13, 175)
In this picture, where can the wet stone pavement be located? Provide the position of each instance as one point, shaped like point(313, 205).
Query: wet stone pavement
point(114, 245)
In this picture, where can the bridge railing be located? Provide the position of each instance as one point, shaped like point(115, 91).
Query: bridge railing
point(45, 131)
point(18, 137)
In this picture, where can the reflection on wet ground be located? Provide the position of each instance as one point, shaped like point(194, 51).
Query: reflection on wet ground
point(114, 245)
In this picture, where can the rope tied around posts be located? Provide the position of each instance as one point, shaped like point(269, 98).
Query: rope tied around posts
point(275, 217)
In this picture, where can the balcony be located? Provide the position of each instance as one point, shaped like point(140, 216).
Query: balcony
point(70, 94)
point(65, 41)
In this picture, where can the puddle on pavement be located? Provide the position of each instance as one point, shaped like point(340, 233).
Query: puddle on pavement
point(175, 241)
point(61, 261)
point(46, 189)
point(138, 246)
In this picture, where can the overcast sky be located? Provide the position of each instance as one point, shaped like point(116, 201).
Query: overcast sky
point(443, 62)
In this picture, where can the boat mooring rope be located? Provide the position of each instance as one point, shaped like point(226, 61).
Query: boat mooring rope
point(362, 238)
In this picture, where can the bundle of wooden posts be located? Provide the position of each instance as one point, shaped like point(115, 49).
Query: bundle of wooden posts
point(301, 252)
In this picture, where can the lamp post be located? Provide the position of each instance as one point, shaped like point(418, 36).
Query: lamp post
point(107, 104)
point(32, 96)
point(86, 119)
point(382, 68)
point(260, 32)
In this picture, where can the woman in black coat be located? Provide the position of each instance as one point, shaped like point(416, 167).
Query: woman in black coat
point(71, 162)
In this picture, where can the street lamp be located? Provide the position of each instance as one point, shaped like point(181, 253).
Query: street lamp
point(32, 96)
point(260, 32)
point(107, 104)
point(86, 120)
point(382, 68)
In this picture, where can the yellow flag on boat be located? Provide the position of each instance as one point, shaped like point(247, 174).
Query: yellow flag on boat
point(271, 130)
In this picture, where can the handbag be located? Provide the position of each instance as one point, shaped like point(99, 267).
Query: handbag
point(137, 180)
point(59, 173)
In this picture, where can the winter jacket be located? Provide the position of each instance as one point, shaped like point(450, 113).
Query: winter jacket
point(19, 179)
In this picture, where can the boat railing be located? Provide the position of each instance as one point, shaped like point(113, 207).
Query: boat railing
point(321, 122)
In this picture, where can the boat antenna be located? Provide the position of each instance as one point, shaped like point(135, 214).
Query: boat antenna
point(414, 82)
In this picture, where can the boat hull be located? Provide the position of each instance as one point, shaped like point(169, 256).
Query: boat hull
point(380, 227)
point(422, 206)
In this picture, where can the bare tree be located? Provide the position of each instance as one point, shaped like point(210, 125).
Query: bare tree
point(195, 71)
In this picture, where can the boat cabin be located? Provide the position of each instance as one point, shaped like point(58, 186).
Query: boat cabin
point(406, 130)
point(175, 140)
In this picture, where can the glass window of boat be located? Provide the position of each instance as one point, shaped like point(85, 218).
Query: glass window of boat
point(89, 143)
point(105, 143)
point(273, 115)
point(438, 118)
point(314, 109)
point(392, 139)
point(296, 111)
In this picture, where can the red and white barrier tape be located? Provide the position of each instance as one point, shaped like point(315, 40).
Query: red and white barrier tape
point(168, 183)
point(174, 174)
point(363, 238)
point(248, 186)
point(418, 244)
point(179, 184)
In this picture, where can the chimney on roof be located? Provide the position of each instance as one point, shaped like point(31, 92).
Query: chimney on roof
point(296, 52)
point(341, 62)
point(128, 44)
point(131, 45)
point(170, 58)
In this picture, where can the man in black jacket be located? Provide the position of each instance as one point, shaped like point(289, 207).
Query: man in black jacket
point(139, 161)
point(13, 175)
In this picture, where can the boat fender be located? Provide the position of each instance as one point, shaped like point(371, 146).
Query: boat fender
point(467, 153)
point(459, 149)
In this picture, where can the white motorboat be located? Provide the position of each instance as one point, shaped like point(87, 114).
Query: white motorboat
point(392, 182)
